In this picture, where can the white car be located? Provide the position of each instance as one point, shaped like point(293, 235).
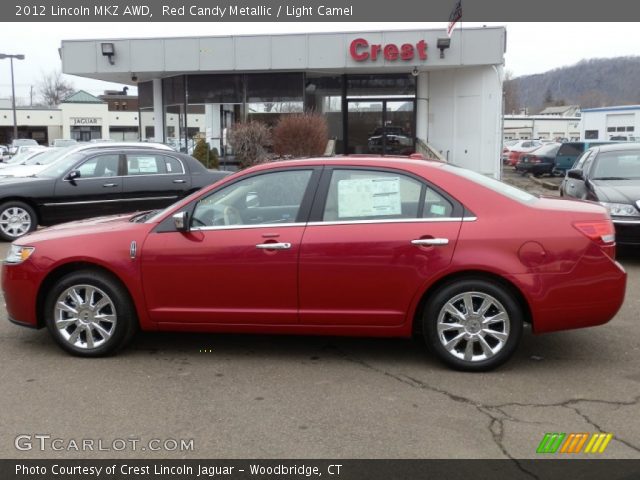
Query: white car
point(22, 157)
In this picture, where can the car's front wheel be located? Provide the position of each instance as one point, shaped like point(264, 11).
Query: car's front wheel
point(473, 324)
point(16, 219)
point(90, 314)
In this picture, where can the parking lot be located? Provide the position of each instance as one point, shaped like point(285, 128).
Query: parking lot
point(241, 396)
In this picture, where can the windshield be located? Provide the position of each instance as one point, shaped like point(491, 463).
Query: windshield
point(620, 165)
point(492, 184)
point(22, 157)
point(45, 158)
point(61, 163)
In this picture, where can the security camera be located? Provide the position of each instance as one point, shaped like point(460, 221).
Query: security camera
point(415, 72)
point(134, 77)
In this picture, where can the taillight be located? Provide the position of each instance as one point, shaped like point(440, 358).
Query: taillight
point(533, 159)
point(600, 232)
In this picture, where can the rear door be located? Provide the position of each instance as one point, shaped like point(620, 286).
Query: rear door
point(153, 180)
point(374, 239)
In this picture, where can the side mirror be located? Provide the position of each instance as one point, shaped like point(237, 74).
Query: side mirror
point(72, 175)
point(576, 174)
point(181, 221)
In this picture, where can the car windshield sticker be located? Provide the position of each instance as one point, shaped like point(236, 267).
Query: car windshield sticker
point(368, 197)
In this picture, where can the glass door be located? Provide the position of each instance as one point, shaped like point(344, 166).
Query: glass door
point(381, 127)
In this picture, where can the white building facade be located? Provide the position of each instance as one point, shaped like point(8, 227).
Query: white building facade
point(370, 86)
point(611, 123)
point(543, 127)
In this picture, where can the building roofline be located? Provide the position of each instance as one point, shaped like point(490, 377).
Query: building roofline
point(612, 109)
point(288, 34)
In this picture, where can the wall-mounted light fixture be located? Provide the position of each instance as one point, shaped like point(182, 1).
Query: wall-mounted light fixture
point(108, 50)
point(443, 44)
point(415, 72)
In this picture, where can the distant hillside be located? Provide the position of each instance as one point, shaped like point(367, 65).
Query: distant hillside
point(589, 83)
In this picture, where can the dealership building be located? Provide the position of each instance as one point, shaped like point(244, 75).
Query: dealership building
point(380, 91)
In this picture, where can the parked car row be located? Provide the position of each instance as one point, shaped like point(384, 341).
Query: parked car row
point(548, 158)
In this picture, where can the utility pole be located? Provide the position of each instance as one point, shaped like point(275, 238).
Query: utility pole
point(13, 91)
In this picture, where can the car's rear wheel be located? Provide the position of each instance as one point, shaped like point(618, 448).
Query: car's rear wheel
point(473, 324)
point(90, 314)
point(16, 219)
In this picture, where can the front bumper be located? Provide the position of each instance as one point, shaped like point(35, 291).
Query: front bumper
point(20, 286)
point(627, 231)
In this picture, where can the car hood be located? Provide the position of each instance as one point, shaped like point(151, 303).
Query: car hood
point(79, 228)
point(22, 170)
point(617, 191)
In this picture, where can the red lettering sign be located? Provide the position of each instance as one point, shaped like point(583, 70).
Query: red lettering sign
point(361, 50)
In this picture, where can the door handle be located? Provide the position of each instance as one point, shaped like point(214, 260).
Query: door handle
point(179, 181)
point(274, 246)
point(430, 241)
point(110, 185)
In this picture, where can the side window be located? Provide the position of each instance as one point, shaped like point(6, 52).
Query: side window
point(436, 206)
point(363, 194)
point(172, 166)
point(100, 166)
point(262, 199)
point(144, 164)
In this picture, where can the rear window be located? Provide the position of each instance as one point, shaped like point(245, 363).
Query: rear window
point(492, 184)
point(571, 149)
point(550, 150)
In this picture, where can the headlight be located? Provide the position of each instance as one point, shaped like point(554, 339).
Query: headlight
point(621, 209)
point(18, 254)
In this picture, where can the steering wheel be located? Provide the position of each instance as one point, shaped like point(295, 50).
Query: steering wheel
point(231, 216)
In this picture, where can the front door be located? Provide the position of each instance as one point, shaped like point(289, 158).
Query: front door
point(239, 263)
point(97, 192)
point(381, 126)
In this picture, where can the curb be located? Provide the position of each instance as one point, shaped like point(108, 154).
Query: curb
point(543, 183)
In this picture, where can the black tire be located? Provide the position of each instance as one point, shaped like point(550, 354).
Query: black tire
point(500, 299)
point(90, 321)
point(16, 210)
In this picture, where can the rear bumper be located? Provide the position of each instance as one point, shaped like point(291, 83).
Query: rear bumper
point(591, 294)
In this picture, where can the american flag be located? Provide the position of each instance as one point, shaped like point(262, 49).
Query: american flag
point(456, 14)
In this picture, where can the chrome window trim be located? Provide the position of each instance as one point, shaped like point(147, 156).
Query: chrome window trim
point(184, 171)
point(85, 202)
point(349, 222)
point(244, 227)
point(395, 220)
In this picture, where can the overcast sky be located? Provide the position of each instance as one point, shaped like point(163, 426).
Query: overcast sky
point(531, 47)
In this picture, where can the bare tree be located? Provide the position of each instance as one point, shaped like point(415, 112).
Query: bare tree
point(511, 100)
point(53, 88)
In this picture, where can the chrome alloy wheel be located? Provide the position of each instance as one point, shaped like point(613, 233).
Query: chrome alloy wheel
point(473, 326)
point(85, 316)
point(15, 222)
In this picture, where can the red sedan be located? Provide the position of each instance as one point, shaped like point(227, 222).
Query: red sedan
point(351, 246)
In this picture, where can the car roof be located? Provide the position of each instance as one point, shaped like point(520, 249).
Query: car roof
point(614, 147)
point(379, 161)
point(121, 145)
